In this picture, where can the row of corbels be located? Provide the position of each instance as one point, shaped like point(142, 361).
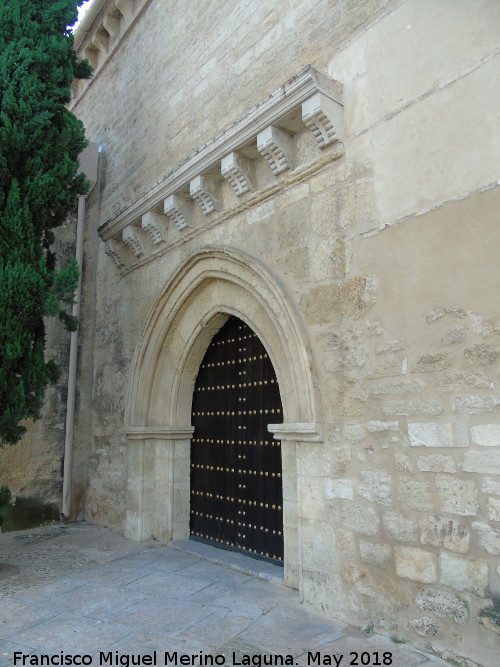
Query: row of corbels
point(322, 115)
point(113, 25)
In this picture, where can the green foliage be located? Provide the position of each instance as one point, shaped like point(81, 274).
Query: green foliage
point(40, 140)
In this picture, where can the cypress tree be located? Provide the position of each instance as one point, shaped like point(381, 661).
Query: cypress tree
point(40, 140)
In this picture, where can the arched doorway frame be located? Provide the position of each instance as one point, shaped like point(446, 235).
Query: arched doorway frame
point(212, 284)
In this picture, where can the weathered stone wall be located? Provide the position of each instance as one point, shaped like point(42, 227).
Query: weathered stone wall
point(207, 68)
point(388, 253)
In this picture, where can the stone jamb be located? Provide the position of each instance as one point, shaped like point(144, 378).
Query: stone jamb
point(294, 437)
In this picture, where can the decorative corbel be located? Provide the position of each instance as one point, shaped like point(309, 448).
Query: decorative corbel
point(154, 224)
point(175, 206)
point(101, 39)
point(236, 170)
point(92, 52)
point(130, 237)
point(112, 249)
point(203, 190)
point(276, 146)
point(112, 25)
point(325, 118)
point(126, 8)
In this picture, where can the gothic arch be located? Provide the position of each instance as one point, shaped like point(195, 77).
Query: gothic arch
point(211, 285)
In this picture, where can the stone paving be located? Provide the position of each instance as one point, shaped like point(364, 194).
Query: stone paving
point(81, 589)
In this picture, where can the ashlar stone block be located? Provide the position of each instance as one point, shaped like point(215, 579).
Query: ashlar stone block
point(319, 554)
point(380, 426)
point(310, 501)
point(472, 404)
point(415, 493)
point(493, 509)
point(376, 486)
point(442, 531)
point(403, 462)
point(413, 406)
point(480, 354)
point(386, 368)
point(354, 432)
point(430, 435)
point(436, 463)
point(458, 381)
point(346, 544)
point(396, 387)
point(338, 488)
point(442, 603)
point(488, 537)
point(457, 496)
point(491, 485)
point(433, 362)
point(464, 575)
point(374, 554)
point(487, 435)
point(415, 564)
point(482, 461)
point(359, 517)
point(399, 528)
point(390, 347)
point(338, 459)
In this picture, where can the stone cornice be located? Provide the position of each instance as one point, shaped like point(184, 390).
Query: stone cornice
point(158, 432)
point(85, 24)
point(284, 100)
point(298, 432)
point(289, 179)
point(100, 34)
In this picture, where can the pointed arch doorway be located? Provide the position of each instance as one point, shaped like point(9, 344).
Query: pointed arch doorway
point(236, 481)
point(209, 286)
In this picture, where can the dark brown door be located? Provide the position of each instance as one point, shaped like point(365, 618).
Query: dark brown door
point(236, 485)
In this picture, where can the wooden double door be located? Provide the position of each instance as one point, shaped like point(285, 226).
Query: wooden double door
point(236, 483)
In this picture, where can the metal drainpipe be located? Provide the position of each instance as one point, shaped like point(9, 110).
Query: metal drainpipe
point(73, 361)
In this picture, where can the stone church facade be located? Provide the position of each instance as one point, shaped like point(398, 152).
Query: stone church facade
point(325, 171)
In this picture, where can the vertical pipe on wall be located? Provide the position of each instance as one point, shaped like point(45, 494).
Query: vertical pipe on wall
point(73, 361)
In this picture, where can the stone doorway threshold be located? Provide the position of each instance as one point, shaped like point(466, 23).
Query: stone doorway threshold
point(231, 559)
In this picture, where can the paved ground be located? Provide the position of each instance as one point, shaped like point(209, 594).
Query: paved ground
point(82, 589)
